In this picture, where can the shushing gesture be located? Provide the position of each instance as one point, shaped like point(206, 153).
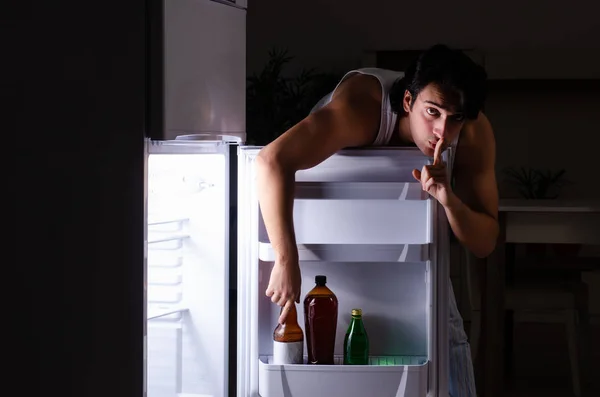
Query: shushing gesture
point(434, 178)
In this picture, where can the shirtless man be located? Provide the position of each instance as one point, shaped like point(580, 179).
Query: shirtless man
point(434, 103)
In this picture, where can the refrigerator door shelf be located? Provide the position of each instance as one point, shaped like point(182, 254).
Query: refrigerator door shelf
point(360, 190)
point(361, 197)
point(386, 376)
point(339, 221)
point(353, 252)
point(167, 230)
point(370, 165)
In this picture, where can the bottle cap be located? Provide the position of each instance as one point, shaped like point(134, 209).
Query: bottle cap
point(356, 312)
point(320, 279)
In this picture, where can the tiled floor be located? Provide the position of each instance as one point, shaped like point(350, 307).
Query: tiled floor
point(542, 363)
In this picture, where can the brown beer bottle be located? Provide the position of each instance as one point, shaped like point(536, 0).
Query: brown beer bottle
point(288, 340)
point(320, 322)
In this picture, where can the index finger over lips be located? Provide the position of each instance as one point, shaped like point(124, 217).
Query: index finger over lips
point(437, 153)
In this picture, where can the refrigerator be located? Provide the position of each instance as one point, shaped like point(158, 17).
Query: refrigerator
point(360, 219)
point(196, 81)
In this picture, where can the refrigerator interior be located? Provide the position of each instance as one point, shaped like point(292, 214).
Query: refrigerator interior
point(187, 269)
point(361, 220)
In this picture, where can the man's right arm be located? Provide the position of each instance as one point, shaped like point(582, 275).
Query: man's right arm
point(349, 120)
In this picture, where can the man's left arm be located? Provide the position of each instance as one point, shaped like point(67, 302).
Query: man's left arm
point(472, 209)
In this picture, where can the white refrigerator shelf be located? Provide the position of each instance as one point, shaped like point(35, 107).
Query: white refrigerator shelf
point(394, 376)
point(353, 252)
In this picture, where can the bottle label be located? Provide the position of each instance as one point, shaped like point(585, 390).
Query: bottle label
point(288, 352)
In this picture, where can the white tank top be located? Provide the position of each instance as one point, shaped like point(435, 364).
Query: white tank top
point(388, 117)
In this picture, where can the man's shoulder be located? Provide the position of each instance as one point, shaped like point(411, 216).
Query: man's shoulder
point(477, 133)
point(476, 143)
point(359, 88)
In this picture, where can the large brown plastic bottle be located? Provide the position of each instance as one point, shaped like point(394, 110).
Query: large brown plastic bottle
point(320, 322)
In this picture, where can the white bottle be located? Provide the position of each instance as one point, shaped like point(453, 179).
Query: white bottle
point(288, 341)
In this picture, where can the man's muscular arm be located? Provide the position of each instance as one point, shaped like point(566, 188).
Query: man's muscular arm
point(350, 119)
point(473, 208)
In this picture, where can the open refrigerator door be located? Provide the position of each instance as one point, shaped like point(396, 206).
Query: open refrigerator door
point(363, 221)
point(187, 266)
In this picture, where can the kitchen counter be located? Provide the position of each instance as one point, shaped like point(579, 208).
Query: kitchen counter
point(550, 205)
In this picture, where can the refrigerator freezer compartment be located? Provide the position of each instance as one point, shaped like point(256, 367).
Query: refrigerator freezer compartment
point(353, 252)
point(341, 221)
point(393, 376)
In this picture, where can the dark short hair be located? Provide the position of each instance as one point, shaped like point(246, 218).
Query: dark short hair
point(459, 78)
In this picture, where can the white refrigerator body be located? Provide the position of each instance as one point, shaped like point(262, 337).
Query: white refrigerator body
point(362, 220)
point(196, 104)
point(204, 67)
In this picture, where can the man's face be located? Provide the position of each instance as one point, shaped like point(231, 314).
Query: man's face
point(431, 118)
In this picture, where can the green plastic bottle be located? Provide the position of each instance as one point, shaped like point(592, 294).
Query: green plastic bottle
point(356, 341)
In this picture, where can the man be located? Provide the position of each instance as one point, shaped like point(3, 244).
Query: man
point(434, 103)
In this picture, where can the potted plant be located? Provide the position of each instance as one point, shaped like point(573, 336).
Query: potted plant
point(536, 184)
point(276, 101)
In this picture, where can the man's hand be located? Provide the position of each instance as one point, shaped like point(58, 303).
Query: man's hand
point(434, 178)
point(284, 286)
